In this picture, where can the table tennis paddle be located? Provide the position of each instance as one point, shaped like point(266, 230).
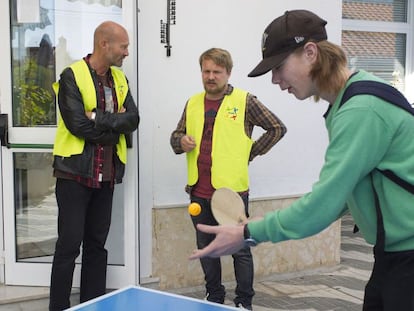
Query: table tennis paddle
point(227, 207)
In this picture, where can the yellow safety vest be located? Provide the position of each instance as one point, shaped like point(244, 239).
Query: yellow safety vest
point(230, 145)
point(66, 144)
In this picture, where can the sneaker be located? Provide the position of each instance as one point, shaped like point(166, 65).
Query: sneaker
point(241, 307)
point(208, 295)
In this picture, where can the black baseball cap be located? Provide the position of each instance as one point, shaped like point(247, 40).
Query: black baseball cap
point(286, 33)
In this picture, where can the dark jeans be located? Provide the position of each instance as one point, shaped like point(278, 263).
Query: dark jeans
point(242, 260)
point(391, 286)
point(84, 218)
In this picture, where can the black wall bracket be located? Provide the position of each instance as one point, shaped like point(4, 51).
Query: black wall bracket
point(165, 26)
point(4, 130)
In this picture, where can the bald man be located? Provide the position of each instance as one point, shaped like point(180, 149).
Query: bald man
point(97, 111)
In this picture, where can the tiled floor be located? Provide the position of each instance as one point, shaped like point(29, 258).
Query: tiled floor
point(340, 288)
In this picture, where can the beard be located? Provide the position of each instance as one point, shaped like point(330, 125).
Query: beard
point(214, 88)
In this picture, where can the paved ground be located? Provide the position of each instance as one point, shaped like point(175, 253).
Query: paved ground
point(342, 288)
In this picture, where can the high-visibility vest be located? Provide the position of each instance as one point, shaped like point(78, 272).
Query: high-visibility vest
point(230, 145)
point(66, 144)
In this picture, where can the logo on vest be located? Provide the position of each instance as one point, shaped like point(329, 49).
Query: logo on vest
point(121, 90)
point(232, 113)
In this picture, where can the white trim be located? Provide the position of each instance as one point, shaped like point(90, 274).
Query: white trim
point(410, 54)
point(162, 295)
point(31, 273)
point(131, 180)
point(5, 97)
point(374, 26)
point(146, 162)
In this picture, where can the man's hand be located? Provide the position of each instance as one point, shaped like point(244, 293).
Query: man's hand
point(229, 240)
point(187, 143)
point(89, 114)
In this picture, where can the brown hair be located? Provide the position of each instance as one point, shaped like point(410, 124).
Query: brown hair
point(219, 56)
point(329, 70)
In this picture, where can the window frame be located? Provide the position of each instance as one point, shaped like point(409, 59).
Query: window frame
point(394, 27)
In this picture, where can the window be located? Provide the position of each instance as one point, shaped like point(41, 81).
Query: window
point(375, 36)
point(33, 64)
point(46, 36)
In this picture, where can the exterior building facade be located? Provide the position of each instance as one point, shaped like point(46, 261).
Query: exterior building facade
point(151, 234)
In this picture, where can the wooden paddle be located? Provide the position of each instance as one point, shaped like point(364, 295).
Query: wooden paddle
point(227, 207)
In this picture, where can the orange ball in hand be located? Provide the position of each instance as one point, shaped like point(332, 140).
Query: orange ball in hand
point(194, 209)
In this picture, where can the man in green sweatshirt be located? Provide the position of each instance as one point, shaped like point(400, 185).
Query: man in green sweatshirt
point(367, 135)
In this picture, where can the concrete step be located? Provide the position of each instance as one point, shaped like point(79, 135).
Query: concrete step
point(27, 298)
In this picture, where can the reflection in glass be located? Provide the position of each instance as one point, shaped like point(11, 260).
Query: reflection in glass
point(35, 205)
point(36, 211)
point(43, 43)
point(33, 66)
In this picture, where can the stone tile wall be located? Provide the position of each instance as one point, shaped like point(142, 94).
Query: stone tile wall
point(174, 240)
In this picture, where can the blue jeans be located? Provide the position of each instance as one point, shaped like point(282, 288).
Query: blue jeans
point(84, 219)
point(242, 261)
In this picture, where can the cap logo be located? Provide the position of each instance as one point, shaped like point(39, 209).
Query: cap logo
point(299, 39)
point(264, 38)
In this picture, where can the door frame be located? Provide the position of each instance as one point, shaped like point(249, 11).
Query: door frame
point(38, 274)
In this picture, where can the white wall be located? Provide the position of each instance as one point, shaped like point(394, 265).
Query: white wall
point(165, 83)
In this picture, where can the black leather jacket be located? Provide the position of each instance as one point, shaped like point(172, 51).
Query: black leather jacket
point(105, 130)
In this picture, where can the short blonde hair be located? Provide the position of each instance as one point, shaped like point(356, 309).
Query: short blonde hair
point(219, 56)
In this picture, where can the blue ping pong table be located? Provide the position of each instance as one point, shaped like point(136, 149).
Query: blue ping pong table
point(139, 298)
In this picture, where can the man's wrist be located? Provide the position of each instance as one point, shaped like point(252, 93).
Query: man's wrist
point(248, 239)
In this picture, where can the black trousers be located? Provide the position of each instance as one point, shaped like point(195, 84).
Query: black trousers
point(391, 286)
point(242, 261)
point(84, 219)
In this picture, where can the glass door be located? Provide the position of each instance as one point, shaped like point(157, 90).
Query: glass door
point(45, 36)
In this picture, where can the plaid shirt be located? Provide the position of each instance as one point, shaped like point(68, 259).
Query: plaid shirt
point(256, 115)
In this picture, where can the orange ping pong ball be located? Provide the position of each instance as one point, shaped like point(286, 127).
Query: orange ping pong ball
point(194, 209)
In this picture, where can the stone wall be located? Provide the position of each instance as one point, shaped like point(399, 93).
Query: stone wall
point(174, 240)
